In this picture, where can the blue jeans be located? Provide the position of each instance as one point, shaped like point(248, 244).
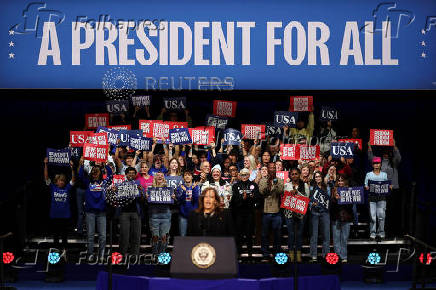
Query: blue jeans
point(377, 212)
point(316, 219)
point(300, 226)
point(183, 225)
point(160, 224)
point(273, 221)
point(341, 231)
point(91, 219)
point(80, 197)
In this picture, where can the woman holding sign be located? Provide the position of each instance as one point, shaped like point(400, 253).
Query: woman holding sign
point(319, 215)
point(341, 216)
point(160, 218)
point(297, 187)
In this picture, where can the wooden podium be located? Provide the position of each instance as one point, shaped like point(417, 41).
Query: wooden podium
point(204, 258)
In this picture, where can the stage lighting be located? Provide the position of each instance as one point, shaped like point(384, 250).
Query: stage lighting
point(332, 258)
point(374, 258)
point(116, 258)
point(8, 257)
point(164, 258)
point(281, 258)
point(54, 258)
point(428, 259)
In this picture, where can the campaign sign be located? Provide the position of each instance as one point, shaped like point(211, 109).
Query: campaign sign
point(357, 142)
point(289, 152)
point(224, 108)
point(141, 101)
point(97, 153)
point(284, 118)
point(126, 134)
point(118, 178)
point(76, 152)
point(379, 187)
point(173, 125)
point(381, 137)
point(284, 175)
point(271, 130)
point(128, 189)
point(216, 121)
point(329, 114)
point(112, 134)
point(117, 106)
point(321, 198)
point(97, 139)
point(232, 137)
point(253, 131)
point(78, 138)
point(341, 149)
point(301, 104)
point(178, 103)
point(202, 135)
point(308, 152)
point(180, 136)
point(60, 157)
point(93, 121)
point(140, 143)
point(120, 127)
point(294, 202)
point(160, 195)
point(350, 195)
point(174, 181)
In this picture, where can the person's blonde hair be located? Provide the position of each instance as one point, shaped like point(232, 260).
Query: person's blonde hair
point(252, 160)
point(162, 184)
point(60, 176)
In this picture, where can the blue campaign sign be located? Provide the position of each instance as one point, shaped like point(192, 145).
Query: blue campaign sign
point(174, 181)
point(178, 103)
point(60, 157)
point(321, 198)
point(285, 118)
point(232, 137)
point(328, 114)
point(180, 136)
point(379, 187)
point(124, 136)
point(140, 143)
point(127, 45)
point(350, 195)
point(341, 149)
point(271, 130)
point(117, 106)
point(141, 101)
point(112, 134)
point(160, 195)
point(216, 121)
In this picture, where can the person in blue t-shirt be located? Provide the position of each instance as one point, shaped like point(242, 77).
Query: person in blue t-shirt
point(157, 166)
point(95, 205)
point(187, 197)
point(60, 212)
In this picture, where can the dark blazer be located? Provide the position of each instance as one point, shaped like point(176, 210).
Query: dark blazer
point(219, 224)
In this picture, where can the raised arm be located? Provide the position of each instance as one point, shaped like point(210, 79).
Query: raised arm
point(46, 178)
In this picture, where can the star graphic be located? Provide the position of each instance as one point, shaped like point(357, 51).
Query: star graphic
point(423, 31)
point(11, 32)
point(11, 44)
point(11, 55)
point(423, 43)
point(423, 55)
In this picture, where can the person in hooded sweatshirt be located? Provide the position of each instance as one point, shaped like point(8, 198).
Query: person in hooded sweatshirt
point(245, 196)
point(95, 205)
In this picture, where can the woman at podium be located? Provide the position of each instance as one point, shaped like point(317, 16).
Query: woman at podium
point(209, 219)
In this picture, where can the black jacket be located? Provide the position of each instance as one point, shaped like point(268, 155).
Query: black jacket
point(240, 205)
point(219, 224)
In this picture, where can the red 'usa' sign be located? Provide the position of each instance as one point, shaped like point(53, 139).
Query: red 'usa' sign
point(253, 131)
point(93, 121)
point(381, 137)
point(301, 104)
point(202, 135)
point(294, 202)
point(118, 178)
point(78, 138)
point(284, 175)
point(308, 152)
point(289, 152)
point(224, 108)
point(97, 153)
point(355, 141)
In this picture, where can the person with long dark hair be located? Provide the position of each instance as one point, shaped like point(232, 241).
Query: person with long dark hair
point(209, 219)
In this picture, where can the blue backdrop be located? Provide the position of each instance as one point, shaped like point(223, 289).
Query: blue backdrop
point(412, 45)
